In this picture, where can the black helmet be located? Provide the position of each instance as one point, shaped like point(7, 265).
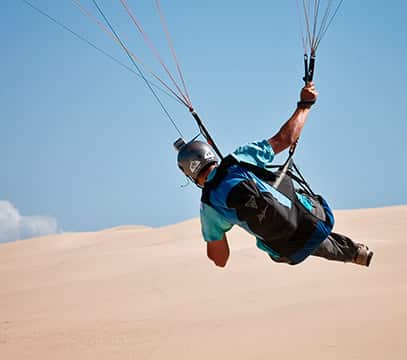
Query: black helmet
point(193, 157)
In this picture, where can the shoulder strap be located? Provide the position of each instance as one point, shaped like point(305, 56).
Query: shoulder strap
point(221, 172)
point(260, 172)
point(227, 162)
point(280, 180)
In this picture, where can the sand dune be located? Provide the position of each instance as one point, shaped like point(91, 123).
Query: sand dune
point(142, 293)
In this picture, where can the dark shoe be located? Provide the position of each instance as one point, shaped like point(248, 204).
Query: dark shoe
point(363, 255)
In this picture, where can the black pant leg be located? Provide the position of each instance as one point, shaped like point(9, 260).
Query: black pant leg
point(337, 247)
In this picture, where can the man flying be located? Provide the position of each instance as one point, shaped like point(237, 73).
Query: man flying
point(289, 224)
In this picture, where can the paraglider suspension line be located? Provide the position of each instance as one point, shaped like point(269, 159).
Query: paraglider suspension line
point(137, 67)
point(204, 131)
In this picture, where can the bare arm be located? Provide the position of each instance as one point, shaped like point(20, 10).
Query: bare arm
point(291, 130)
point(218, 251)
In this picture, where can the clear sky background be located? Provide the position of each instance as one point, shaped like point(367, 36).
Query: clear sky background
point(84, 142)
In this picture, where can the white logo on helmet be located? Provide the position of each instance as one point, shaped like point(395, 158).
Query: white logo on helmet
point(194, 165)
point(209, 155)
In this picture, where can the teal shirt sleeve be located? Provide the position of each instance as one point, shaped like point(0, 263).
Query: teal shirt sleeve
point(258, 153)
point(213, 225)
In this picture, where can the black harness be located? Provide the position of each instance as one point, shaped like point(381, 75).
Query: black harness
point(284, 229)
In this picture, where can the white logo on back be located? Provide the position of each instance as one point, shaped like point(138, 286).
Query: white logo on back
point(251, 203)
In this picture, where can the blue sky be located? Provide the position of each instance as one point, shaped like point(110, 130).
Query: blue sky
point(83, 140)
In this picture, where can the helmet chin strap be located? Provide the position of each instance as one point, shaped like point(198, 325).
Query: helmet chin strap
point(189, 180)
point(186, 183)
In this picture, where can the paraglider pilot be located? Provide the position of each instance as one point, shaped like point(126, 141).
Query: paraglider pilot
point(289, 224)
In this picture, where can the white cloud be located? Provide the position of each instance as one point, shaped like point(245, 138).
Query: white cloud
point(14, 226)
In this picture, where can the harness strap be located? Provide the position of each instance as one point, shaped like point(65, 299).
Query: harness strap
point(280, 180)
point(221, 172)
